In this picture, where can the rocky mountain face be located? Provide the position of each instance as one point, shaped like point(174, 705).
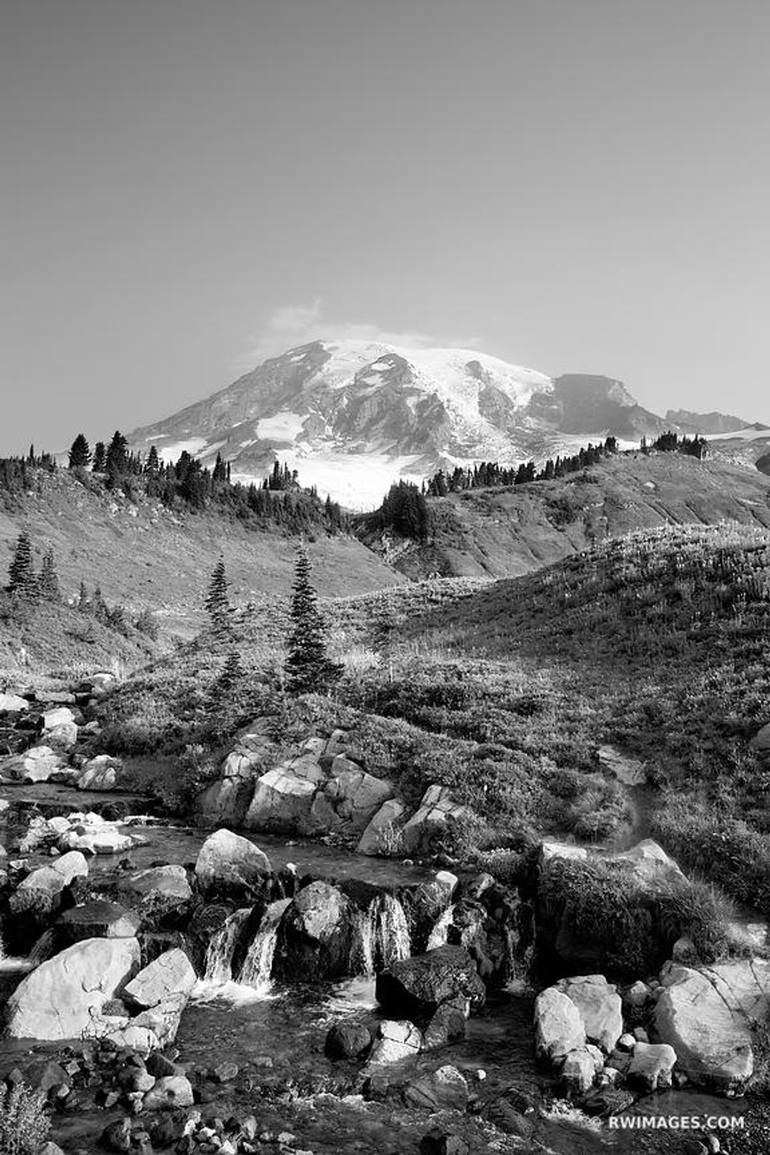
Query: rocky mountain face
point(353, 416)
point(708, 423)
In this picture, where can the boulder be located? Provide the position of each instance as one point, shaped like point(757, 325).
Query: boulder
point(224, 802)
point(229, 863)
point(629, 771)
point(62, 997)
point(316, 933)
point(62, 738)
point(246, 764)
point(169, 1092)
point(95, 835)
point(441, 1090)
point(394, 1042)
point(447, 1025)
point(383, 831)
point(98, 919)
point(650, 862)
point(349, 799)
point(550, 850)
point(761, 740)
point(600, 1008)
point(651, 1066)
point(161, 1022)
point(12, 704)
point(71, 865)
point(169, 974)
point(161, 894)
point(38, 764)
point(579, 1071)
point(59, 716)
point(437, 812)
point(347, 1041)
point(281, 803)
point(415, 987)
point(558, 1026)
point(100, 773)
point(707, 1015)
point(39, 894)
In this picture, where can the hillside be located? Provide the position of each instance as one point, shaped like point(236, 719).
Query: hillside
point(511, 531)
point(146, 555)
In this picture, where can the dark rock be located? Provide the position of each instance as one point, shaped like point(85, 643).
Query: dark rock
point(438, 1142)
point(508, 1119)
point(315, 934)
point(159, 1066)
point(117, 1136)
point(444, 1089)
point(448, 1025)
point(347, 1041)
point(415, 987)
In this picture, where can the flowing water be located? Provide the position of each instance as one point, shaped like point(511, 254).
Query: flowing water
point(257, 969)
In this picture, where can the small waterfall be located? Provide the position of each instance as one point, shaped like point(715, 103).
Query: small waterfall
point(219, 956)
point(392, 938)
point(258, 965)
point(380, 936)
point(438, 936)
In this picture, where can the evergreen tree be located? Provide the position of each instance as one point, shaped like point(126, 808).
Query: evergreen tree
point(233, 672)
point(218, 604)
point(80, 453)
point(48, 583)
point(99, 458)
point(152, 464)
point(98, 607)
point(308, 665)
point(21, 572)
point(117, 462)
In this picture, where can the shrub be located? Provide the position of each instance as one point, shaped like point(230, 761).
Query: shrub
point(24, 1125)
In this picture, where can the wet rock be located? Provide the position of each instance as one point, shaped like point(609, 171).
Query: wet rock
point(447, 1025)
point(169, 1093)
point(316, 932)
point(98, 919)
point(382, 833)
point(170, 974)
point(444, 1089)
point(100, 773)
point(559, 1026)
point(606, 1101)
point(117, 1136)
point(70, 866)
point(60, 998)
point(600, 1008)
point(706, 1016)
point(228, 863)
point(651, 1065)
point(161, 894)
point(347, 1041)
point(417, 986)
point(94, 835)
point(159, 1065)
point(46, 1076)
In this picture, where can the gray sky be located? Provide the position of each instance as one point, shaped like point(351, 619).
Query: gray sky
point(574, 185)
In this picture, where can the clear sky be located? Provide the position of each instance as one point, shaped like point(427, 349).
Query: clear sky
point(574, 185)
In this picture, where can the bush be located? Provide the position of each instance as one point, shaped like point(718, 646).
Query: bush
point(24, 1125)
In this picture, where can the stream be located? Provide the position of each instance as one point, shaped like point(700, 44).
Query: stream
point(275, 1033)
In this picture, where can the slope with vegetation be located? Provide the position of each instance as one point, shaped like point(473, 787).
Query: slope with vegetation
point(506, 531)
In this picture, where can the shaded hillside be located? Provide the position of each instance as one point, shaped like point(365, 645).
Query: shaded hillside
point(515, 530)
point(147, 556)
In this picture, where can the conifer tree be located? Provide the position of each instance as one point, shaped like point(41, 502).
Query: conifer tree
point(218, 604)
point(308, 665)
point(82, 602)
point(80, 453)
point(48, 582)
point(21, 572)
point(99, 458)
point(117, 461)
point(233, 672)
point(98, 607)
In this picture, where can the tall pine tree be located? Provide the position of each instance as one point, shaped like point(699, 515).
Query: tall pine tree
point(80, 453)
point(218, 604)
point(308, 665)
point(100, 458)
point(48, 582)
point(21, 572)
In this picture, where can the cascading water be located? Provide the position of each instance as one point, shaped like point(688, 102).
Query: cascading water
point(219, 956)
point(438, 936)
point(381, 936)
point(258, 965)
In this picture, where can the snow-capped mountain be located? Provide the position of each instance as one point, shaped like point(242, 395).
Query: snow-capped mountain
point(353, 416)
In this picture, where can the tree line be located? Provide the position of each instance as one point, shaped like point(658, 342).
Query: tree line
point(279, 500)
